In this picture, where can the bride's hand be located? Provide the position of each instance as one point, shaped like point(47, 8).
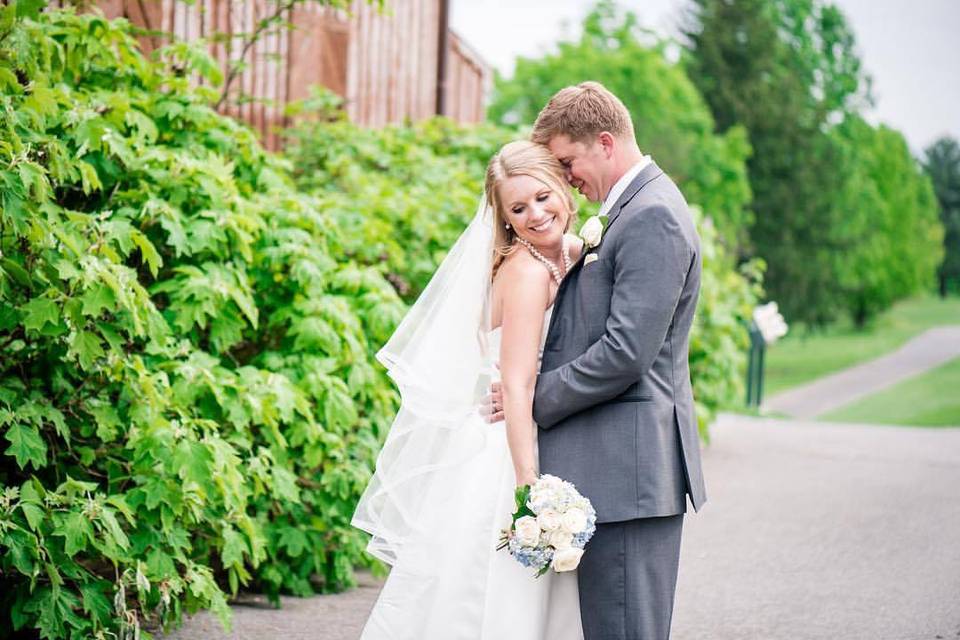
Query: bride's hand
point(526, 477)
point(492, 407)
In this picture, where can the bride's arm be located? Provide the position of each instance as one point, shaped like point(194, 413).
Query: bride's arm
point(526, 294)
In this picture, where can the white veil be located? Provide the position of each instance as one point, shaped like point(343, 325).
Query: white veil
point(439, 359)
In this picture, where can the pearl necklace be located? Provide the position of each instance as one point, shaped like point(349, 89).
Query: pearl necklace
point(551, 267)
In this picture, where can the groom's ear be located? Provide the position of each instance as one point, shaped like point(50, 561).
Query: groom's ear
point(607, 142)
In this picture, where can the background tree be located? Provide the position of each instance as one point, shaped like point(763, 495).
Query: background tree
point(942, 163)
point(887, 240)
point(785, 70)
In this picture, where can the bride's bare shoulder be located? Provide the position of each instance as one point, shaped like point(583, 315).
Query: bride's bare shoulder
point(520, 267)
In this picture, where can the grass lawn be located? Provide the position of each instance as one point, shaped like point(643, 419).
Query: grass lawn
point(802, 357)
point(930, 399)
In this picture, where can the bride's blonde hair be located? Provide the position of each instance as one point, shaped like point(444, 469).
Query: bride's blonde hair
point(521, 158)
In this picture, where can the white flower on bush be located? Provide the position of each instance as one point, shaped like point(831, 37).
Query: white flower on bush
point(592, 231)
point(528, 531)
point(560, 539)
point(574, 520)
point(566, 559)
point(548, 519)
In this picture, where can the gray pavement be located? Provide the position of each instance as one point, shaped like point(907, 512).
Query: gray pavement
point(811, 531)
point(926, 351)
point(818, 531)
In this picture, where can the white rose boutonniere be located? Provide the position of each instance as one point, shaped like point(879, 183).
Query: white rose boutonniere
point(592, 230)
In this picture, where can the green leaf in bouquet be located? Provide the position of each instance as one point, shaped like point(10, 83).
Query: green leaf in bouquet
point(521, 497)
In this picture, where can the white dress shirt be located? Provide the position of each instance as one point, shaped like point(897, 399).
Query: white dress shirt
point(622, 184)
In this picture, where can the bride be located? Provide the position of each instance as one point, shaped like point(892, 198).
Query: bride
point(444, 482)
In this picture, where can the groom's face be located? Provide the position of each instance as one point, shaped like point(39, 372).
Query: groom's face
point(586, 164)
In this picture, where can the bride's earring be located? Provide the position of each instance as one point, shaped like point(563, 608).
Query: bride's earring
point(506, 226)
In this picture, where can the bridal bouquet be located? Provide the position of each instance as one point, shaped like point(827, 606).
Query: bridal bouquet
point(550, 527)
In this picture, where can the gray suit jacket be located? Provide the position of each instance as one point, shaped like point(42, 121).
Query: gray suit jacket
point(613, 400)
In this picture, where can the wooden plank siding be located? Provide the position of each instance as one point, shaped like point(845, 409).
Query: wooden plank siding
point(383, 62)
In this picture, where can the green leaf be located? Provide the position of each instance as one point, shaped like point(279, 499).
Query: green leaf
point(160, 565)
point(148, 251)
point(285, 485)
point(87, 347)
point(90, 181)
point(33, 513)
point(76, 531)
point(194, 461)
point(108, 421)
point(73, 488)
point(23, 551)
point(29, 8)
point(339, 409)
point(94, 601)
point(97, 298)
point(18, 273)
point(294, 540)
point(122, 506)
point(39, 312)
point(234, 547)
point(26, 445)
point(113, 528)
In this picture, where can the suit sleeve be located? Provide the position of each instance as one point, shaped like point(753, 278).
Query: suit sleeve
point(651, 260)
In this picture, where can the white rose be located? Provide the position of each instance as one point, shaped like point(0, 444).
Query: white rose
point(548, 520)
point(592, 231)
point(566, 559)
point(528, 531)
point(548, 481)
point(559, 539)
point(574, 520)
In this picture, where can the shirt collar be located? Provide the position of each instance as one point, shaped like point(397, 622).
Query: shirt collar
point(622, 184)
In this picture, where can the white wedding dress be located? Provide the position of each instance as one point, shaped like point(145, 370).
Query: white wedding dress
point(449, 582)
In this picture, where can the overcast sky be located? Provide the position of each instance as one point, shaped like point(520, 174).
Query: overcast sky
point(911, 49)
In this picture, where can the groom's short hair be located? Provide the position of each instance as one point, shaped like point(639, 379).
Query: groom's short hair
point(582, 112)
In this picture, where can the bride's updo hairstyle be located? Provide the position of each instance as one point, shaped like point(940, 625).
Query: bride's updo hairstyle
point(521, 158)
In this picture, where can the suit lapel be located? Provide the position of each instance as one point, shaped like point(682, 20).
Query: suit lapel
point(650, 173)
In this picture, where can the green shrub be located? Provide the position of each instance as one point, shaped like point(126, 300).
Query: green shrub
point(186, 391)
point(401, 194)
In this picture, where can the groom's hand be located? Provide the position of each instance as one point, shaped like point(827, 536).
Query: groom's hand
point(492, 407)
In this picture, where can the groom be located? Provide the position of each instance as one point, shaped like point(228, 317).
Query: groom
point(613, 400)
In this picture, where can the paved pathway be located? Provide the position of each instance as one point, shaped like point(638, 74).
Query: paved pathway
point(926, 351)
point(812, 531)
